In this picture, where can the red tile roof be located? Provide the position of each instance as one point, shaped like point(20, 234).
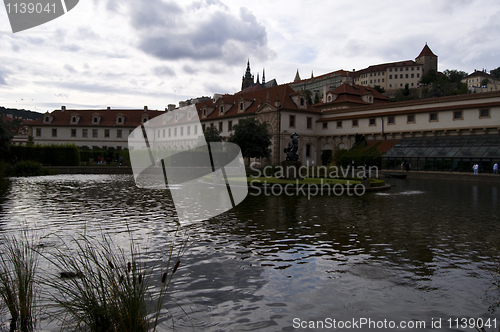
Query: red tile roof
point(282, 93)
point(347, 93)
point(426, 51)
point(132, 118)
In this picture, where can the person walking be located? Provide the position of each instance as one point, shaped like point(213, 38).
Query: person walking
point(476, 168)
point(495, 169)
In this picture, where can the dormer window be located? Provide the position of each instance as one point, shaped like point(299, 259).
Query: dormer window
point(47, 119)
point(329, 98)
point(144, 120)
point(96, 119)
point(301, 101)
point(73, 119)
point(119, 120)
point(221, 109)
point(204, 112)
point(241, 106)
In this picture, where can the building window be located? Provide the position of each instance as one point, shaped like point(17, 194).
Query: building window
point(308, 150)
point(163, 133)
point(401, 75)
point(418, 75)
point(222, 109)
point(106, 132)
point(373, 122)
point(196, 130)
point(354, 123)
point(54, 132)
point(73, 119)
point(339, 124)
point(204, 112)
point(457, 115)
point(95, 119)
point(188, 130)
point(73, 132)
point(484, 113)
point(406, 75)
point(391, 120)
point(433, 117)
point(169, 132)
point(411, 118)
point(412, 75)
point(94, 133)
point(38, 132)
point(182, 131)
point(220, 126)
point(175, 132)
point(229, 125)
point(301, 101)
point(241, 106)
point(325, 125)
point(118, 133)
point(119, 120)
point(292, 121)
point(309, 122)
point(85, 133)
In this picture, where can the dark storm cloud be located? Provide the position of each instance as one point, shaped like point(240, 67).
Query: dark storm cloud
point(169, 33)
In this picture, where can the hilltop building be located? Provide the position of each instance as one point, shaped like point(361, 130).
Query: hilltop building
point(477, 78)
point(395, 75)
point(248, 83)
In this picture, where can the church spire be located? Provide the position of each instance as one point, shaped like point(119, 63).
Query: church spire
point(263, 76)
point(297, 77)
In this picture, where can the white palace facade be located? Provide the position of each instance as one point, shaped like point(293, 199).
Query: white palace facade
point(329, 125)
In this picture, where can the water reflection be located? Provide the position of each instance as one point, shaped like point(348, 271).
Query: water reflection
point(422, 250)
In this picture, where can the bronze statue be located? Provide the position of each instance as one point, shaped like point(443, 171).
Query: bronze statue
point(292, 148)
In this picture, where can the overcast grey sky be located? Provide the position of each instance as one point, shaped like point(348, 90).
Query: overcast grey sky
point(131, 53)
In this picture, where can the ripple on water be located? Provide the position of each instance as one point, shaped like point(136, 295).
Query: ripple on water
point(271, 259)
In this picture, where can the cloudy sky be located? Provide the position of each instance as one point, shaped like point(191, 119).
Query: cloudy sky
point(129, 53)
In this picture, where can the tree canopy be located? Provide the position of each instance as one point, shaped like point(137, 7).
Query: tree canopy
point(252, 137)
point(211, 135)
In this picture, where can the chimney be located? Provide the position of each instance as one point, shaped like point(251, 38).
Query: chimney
point(171, 107)
point(63, 108)
point(145, 108)
point(183, 103)
point(108, 108)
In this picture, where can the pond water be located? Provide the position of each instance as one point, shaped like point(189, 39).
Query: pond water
point(425, 250)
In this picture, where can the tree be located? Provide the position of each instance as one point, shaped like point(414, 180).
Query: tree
point(495, 72)
point(455, 76)
point(379, 88)
point(252, 137)
point(485, 82)
point(5, 138)
point(211, 135)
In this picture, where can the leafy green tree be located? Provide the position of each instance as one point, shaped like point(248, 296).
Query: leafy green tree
point(430, 77)
point(485, 82)
point(316, 98)
point(379, 88)
point(252, 137)
point(212, 134)
point(455, 76)
point(5, 138)
point(496, 72)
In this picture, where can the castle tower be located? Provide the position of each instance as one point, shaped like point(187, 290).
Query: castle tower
point(247, 80)
point(427, 59)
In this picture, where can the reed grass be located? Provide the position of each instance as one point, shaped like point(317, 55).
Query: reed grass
point(109, 289)
point(18, 284)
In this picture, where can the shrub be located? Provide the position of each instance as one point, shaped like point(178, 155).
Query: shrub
point(104, 288)
point(27, 168)
point(18, 286)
